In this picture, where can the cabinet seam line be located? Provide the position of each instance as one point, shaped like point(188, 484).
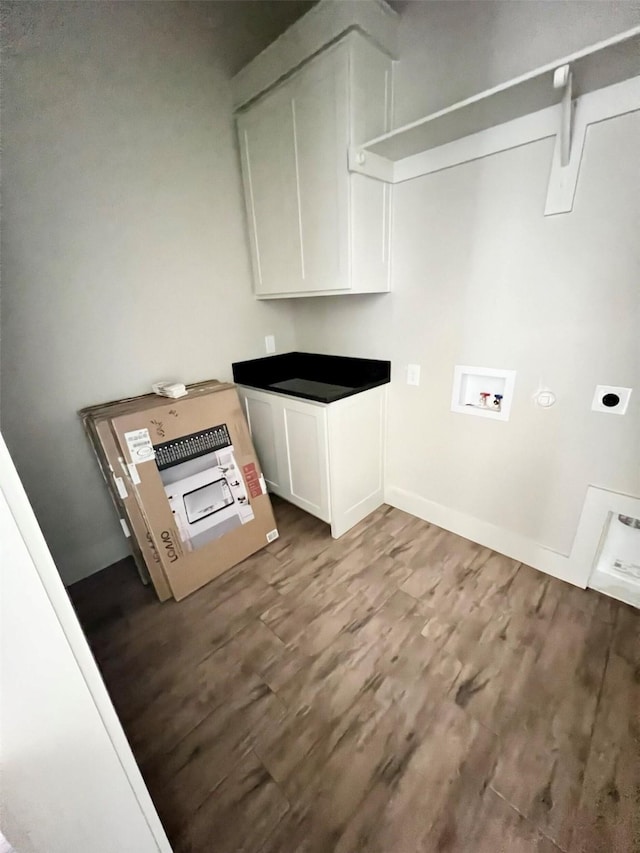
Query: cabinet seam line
point(253, 205)
point(295, 152)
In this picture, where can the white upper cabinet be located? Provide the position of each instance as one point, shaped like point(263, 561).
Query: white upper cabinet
point(319, 97)
point(314, 227)
point(269, 170)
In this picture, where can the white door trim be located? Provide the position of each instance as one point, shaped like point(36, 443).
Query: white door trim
point(25, 520)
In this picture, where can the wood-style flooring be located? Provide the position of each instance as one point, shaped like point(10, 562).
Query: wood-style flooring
point(398, 690)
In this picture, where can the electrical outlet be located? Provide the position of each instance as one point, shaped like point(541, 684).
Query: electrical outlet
point(270, 344)
point(413, 374)
point(611, 399)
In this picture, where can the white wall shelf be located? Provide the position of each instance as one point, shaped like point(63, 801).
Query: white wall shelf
point(593, 84)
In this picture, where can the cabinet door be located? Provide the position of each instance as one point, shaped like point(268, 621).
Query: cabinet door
point(321, 133)
point(266, 425)
point(290, 437)
point(305, 435)
point(271, 193)
point(356, 439)
point(371, 101)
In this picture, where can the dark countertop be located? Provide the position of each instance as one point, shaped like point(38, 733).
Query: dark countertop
point(323, 378)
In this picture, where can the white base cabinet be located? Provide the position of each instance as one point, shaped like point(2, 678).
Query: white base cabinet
point(328, 459)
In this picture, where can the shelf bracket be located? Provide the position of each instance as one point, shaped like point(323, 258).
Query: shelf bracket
point(567, 151)
point(372, 165)
point(563, 79)
point(598, 106)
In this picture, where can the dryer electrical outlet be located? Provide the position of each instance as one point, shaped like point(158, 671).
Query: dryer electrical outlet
point(611, 398)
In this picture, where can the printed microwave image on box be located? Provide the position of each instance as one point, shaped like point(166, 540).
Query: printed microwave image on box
point(207, 500)
point(204, 486)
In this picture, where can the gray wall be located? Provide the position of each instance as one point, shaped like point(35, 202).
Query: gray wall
point(480, 277)
point(124, 257)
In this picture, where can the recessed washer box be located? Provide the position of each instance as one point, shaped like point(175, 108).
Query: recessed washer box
point(483, 391)
point(611, 398)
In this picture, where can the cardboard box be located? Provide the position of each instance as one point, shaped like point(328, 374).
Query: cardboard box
point(198, 483)
point(96, 420)
point(124, 499)
point(196, 480)
point(147, 400)
point(117, 499)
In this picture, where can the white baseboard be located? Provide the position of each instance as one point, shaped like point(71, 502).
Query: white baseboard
point(342, 522)
point(488, 535)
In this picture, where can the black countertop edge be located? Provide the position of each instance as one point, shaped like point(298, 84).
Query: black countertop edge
point(334, 377)
point(316, 398)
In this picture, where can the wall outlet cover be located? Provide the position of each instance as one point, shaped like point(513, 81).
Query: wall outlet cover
point(544, 398)
point(270, 344)
point(413, 374)
point(611, 398)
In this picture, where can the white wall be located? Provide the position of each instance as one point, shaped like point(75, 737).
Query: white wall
point(481, 277)
point(124, 256)
point(69, 779)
